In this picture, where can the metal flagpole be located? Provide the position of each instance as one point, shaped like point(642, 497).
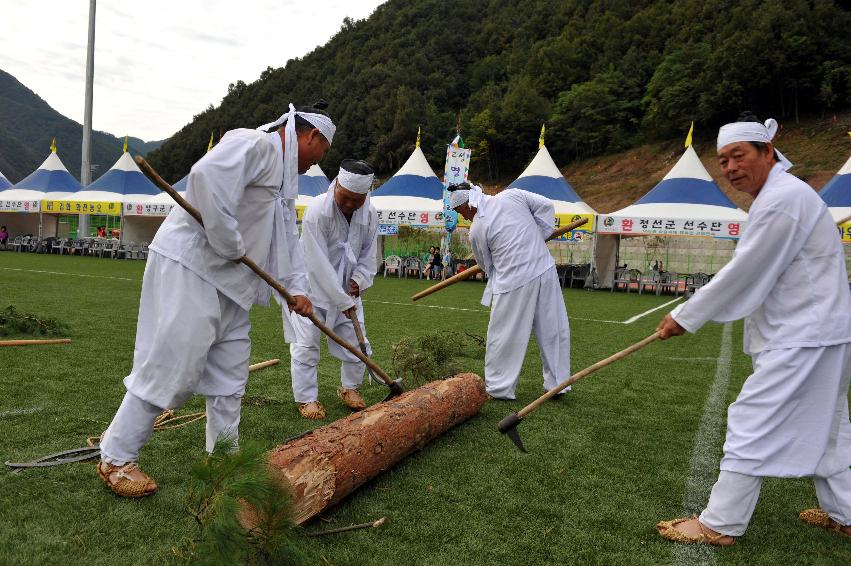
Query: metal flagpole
point(86, 168)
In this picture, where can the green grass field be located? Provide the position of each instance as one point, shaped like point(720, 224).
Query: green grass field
point(605, 464)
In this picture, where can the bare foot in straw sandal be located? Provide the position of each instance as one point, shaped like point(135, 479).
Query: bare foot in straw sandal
point(127, 480)
point(313, 411)
point(692, 531)
point(819, 518)
point(351, 399)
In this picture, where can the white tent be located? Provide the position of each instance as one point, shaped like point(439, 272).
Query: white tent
point(411, 197)
point(687, 202)
point(543, 177)
point(40, 191)
point(310, 185)
point(837, 194)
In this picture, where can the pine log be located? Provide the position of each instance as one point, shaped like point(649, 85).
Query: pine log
point(325, 465)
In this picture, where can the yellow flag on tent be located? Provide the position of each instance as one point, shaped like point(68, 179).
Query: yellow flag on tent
point(541, 139)
point(418, 136)
point(53, 144)
point(210, 145)
point(688, 137)
point(125, 144)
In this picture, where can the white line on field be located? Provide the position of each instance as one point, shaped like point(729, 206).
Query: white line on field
point(72, 274)
point(693, 359)
point(703, 467)
point(654, 309)
point(16, 412)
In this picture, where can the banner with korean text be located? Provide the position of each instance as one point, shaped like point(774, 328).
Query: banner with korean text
point(669, 227)
point(14, 205)
point(81, 207)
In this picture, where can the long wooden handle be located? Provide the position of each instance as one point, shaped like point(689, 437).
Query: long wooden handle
point(467, 273)
point(162, 184)
point(843, 221)
point(362, 343)
point(34, 342)
point(589, 370)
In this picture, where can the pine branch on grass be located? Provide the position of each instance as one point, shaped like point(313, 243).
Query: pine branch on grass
point(222, 483)
point(14, 322)
point(437, 355)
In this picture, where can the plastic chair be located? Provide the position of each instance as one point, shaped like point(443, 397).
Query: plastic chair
point(413, 265)
point(393, 262)
point(697, 281)
point(626, 277)
point(649, 279)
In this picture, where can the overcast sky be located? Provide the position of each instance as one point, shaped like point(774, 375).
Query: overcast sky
point(158, 62)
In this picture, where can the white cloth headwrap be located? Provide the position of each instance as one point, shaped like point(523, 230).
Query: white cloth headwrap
point(473, 196)
point(354, 182)
point(322, 123)
point(751, 131)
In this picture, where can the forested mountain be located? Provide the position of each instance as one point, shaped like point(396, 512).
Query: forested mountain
point(603, 74)
point(28, 123)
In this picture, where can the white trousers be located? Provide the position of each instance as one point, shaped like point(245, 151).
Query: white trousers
point(734, 498)
point(304, 353)
point(538, 306)
point(190, 338)
point(133, 424)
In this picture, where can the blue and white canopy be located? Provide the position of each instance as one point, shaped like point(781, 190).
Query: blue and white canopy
point(313, 183)
point(687, 202)
point(51, 179)
point(413, 196)
point(4, 182)
point(543, 177)
point(837, 193)
point(124, 183)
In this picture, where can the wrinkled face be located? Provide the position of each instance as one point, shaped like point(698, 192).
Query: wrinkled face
point(745, 166)
point(347, 201)
point(312, 147)
point(467, 211)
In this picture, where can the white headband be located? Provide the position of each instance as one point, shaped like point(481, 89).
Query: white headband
point(751, 131)
point(319, 121)
point(473, 196)
point(355, 182)
point(289, 187)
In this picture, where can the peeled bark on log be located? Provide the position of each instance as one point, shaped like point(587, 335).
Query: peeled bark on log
point(330, 462)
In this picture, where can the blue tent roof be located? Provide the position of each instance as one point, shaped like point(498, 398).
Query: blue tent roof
point(313, 183)
point(837, 192)
point(124, 178)
point(411, 186)
point(4, 182)
point(50, 177)
point(414, 179)
point(553, 189)
point(687, 182)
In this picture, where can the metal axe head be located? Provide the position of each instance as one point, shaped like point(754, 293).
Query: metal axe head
point(508, 426)
point(395, 389)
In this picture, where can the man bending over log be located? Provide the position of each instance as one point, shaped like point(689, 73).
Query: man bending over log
point(338, 235)
point(508, 239)
point(788, 280)
point(192, 332)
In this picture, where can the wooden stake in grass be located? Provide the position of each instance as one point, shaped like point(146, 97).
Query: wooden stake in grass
point(34, 342)
point(371, 525)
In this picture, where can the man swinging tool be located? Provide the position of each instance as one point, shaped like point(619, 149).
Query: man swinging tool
point(192, 332)
point(788, 280)
point(339, 235)
point(508, 239)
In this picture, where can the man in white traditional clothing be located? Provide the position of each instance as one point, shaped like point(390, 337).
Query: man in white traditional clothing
point(339, 232)
point(508, 237)
point(192, 332)
point(788, 280)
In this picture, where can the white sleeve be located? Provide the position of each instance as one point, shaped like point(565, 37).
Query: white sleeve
point(323, 276)
point(216, 185)
point(296, 281)
point(543, 211)
point(744, 283)
point(367, 263)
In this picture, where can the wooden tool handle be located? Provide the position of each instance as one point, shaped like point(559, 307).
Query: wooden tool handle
point(587, 371)
point(362, 342)
point(261, 365)
point(467, 273)
point(34, 342)
point(248, 262)
point(843, 221)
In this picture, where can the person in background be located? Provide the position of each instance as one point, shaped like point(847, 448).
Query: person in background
point(4, 236)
